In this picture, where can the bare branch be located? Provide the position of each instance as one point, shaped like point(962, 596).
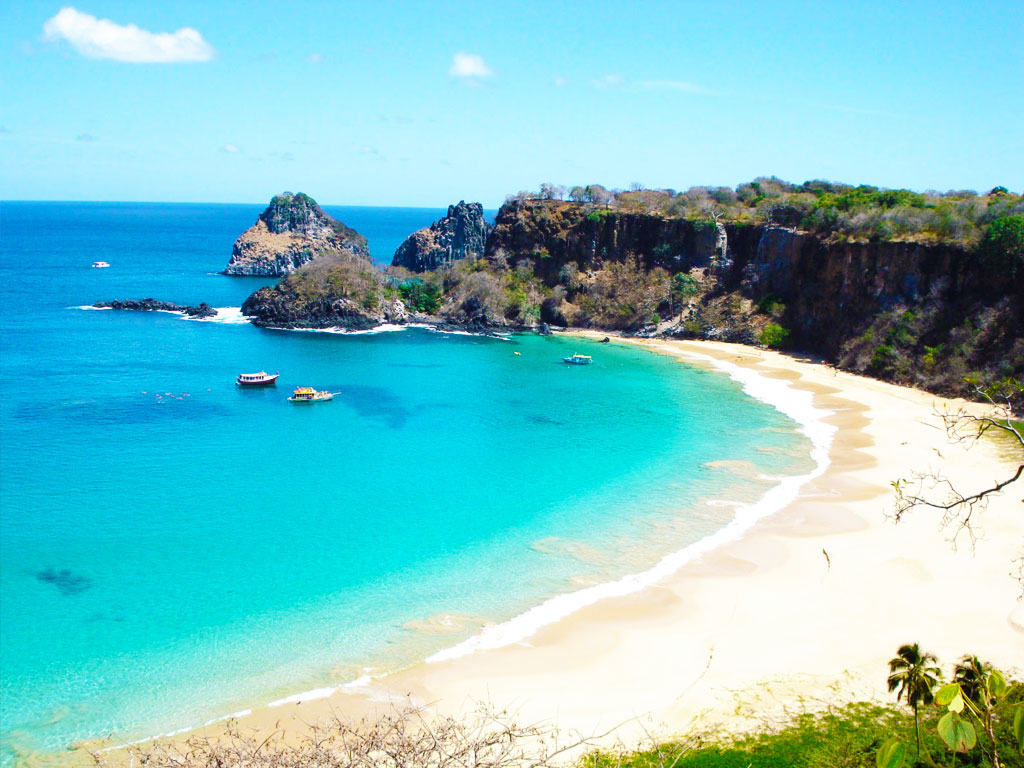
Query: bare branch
point(407, 737)
point(933, 490)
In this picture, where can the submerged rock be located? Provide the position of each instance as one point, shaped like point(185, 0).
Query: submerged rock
point(291, 232)
point(460, 234)
point(67, 582)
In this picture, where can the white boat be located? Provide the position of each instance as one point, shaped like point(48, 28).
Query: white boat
point(259, 379)
point(578, 360)
point(99, 264)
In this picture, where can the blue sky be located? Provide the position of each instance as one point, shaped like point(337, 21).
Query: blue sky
point(403, 103)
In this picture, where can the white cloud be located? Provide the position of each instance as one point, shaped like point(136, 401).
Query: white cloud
point(469, 65)
point(609, 81)
point(559, 82)
point(673, 85)
point(230, 149)
point(315, 58)
point(103, 39)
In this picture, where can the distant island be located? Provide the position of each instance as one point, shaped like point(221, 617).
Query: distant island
point(290, 233)
point(920, 289)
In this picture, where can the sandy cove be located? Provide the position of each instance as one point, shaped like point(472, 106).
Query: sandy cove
point(805, 609)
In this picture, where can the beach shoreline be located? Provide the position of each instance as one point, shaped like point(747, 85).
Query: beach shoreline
point(813, 597)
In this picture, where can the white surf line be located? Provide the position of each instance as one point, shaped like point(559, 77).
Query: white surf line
point(795, 403)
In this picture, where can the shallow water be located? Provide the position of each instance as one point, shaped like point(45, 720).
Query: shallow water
point(175, 549)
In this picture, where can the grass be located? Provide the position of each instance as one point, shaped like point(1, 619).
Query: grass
point(848, 737)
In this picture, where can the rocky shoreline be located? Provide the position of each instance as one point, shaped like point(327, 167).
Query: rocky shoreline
point(201, 310)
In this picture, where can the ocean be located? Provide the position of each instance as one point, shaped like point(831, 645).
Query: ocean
point(175, 549)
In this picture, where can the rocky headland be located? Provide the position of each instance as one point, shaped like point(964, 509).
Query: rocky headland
point(816, 268)
point(461, 234)
point(155, 305)
point(291, 232)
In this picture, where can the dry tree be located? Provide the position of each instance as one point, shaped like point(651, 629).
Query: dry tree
point(960, 507)
point(403, 737)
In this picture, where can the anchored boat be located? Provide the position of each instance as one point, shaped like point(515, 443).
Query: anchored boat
point(258, 379)
point(309, 395)
point(578, 360)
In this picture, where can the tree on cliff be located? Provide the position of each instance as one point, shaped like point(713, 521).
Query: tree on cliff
point(550, 191)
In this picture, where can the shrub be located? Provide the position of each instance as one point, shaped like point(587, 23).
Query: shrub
point(683, 286)
point(420, 296)
point(884, 357)
point(773, 335)
point(1003, 245)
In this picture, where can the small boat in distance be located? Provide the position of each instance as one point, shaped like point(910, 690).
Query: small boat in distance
point(99, 264)
point(309, 395)
point(578, 360)
point(259, 379)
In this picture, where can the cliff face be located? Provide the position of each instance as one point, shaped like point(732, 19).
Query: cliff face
point(291, 232)
point(914, 313)
point(910, 312)
point(554, 233)
point(459, 235)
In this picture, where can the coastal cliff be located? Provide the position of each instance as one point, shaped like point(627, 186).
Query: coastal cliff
point(461, 234)
point(291, 232)
point(927, 314)
point(817, 269)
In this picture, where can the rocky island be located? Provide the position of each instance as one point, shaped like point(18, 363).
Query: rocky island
point(291, 232)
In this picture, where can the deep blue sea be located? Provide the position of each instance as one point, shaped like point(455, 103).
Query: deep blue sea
point(174, 549)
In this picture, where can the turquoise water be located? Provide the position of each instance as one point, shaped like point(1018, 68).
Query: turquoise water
point(175, 549)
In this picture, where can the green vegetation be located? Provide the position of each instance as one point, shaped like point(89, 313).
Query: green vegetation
point(420, 296)
point(945, 728)
point(1003, 245)
point(830, 209)
point(773, 335)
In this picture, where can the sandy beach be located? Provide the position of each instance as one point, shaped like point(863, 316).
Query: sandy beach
point(804, 609)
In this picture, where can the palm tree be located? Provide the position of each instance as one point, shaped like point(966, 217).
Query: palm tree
point(913, 675)
point(977, 684)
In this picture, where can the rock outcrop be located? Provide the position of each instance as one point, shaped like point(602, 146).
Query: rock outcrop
point(460, 234)
point(338, 290)
point(155, 305)
point(291, 232)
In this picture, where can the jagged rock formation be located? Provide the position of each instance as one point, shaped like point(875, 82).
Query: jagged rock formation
point(291, 232)
point(459, 235)
point(155, 305)
point(338, 290)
